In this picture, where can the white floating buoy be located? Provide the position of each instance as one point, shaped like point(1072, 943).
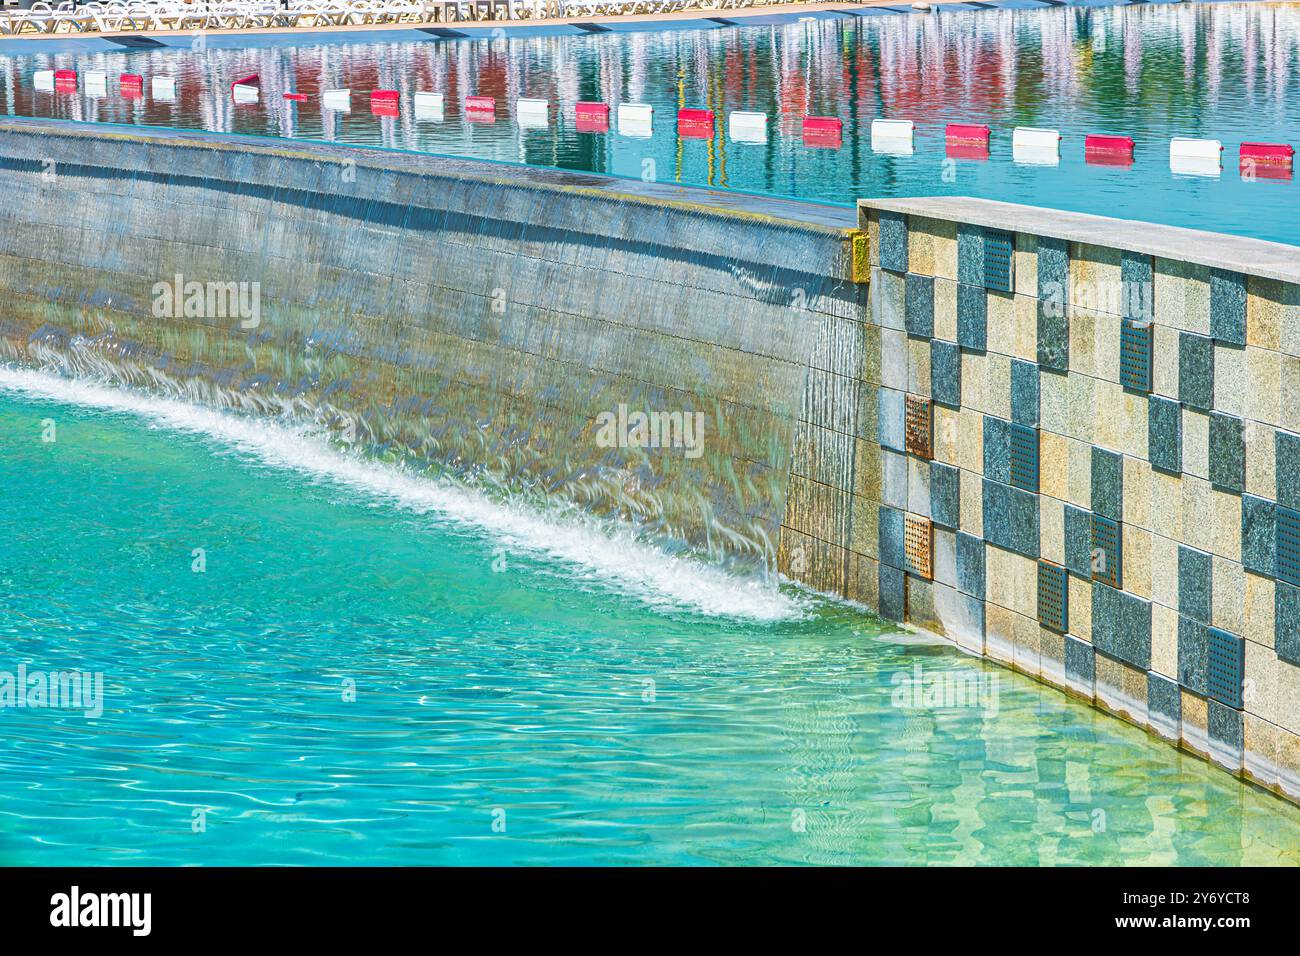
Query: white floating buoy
point(533, 114)
point(428, 105)
point(635, 119)
point(892, 136)
point(1195, 157)
point(243, 93)
point(337, 100)
point(96, 83)
point(164, 87)
point(1036, 147)
point(746, 127)
point(43, 79)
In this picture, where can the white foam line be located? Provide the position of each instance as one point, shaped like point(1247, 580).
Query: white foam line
point(614, 557)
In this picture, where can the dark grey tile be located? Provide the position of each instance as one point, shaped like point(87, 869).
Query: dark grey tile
point(1053, 337)
point(970, 255)
point(1228, 306)
point(1225, 725)
point(1053, 268)
point(918, 306)
point(1011, 518)
point(1137, 278)
point(1080, 660)
point(1287, 623)
point(972, 317)
point(893, 593)
point(1107, 483)
point(945, 495)
point(945, 373)
point(891, 537)
point(1133, 642)
point(1194, 583)
point(1193, 648)
point(1165, 434)
point(1078, 541)
point(1287, 447)
point(1164, 697)
point(970, 565)
point(997, 450)
point(1024, 393)
point(893, 241)
point(1106, 618)
point(1196, 370)
point(1227, 452)
point(1258, 535)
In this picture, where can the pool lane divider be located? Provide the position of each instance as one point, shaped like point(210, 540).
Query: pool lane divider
point(1029, 145)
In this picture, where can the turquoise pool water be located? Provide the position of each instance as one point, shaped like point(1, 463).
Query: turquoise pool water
point(1153, 71)
point(526, 690)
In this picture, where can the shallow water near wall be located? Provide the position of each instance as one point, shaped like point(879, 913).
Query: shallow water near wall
point(1222, 71)
point(505, 673)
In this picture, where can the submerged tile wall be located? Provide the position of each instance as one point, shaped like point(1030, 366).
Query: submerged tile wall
point(1087, 466)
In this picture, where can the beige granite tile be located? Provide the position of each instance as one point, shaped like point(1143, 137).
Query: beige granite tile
point(1137, 560)
point(997, 391)
point(1196, 443)
point(1231, 389)
point(1026, 259)
point(1266, 311)
point(1083, 344)
point(1164, 361)
point(1164, 571)
point(1261, 457)
point(1164, 641)
point(1001, 324)
point(1053, 465)
point(918, 367)
point(970, 441)
point(1198, 514)
point(1080, 608)
point(1080, 474)
point(1259, 610)
point(1167, 505)
point(1137, 491)
point(972, 503)
point(1026, 315)
point(1227, 524)
point(1265, 371)
point(1228, 601)
point(945, 309)
point(1051, 529)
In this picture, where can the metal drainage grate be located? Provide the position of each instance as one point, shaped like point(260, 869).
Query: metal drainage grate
point(1053, 597)
point(999, 259)
point(1135, 355)
point(1106, 555)
point(919, 423)
point(1226, 661)
point(1023, 442)
point(1288, 546)
point(918, 545)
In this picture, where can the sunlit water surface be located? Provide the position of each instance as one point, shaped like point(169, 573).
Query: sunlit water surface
point(375, 669)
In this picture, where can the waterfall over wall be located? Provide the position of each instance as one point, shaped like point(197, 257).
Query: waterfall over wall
point(479, 319)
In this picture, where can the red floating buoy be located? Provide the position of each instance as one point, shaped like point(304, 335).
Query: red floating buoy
point(967, 134)
point(131, 85)
point(296, 97)
point(1270, 154)
point(65, 81)
point(693, 123)
point(251, 80)
point(592, 117)
point(480, 104)
point(826, 132)
point(1103, 150)
point(956, 149)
